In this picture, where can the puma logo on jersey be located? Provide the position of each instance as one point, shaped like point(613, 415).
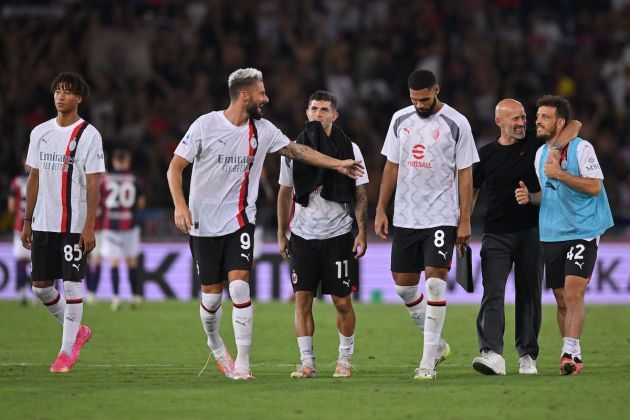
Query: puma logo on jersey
point(77, 266)
point(246, 256)
point(221, 141)
point(406, 130)
point(45, 140)
point(346, 282)
point(442, 254)
point(579, 264)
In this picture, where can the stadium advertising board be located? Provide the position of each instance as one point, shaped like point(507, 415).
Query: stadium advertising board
point(167, 272)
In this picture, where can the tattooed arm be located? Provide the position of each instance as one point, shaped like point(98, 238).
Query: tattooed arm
point(350, 168)
point(360, 213)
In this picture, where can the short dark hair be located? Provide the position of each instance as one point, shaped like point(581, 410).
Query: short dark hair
point(563, 108)
point(324, 95)
point(71, 82)
point(421, 79)
point(120, 154)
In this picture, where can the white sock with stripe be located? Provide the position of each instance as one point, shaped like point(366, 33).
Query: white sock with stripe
point(415, 303)
point(72, 315)
point(54, 303)
point(242, 321)
point(210, 311)
point(434, 320)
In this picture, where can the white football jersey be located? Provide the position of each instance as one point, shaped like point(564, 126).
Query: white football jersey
point(63, 156)
point(227, 164)
point(428, 152)
point(321, 219)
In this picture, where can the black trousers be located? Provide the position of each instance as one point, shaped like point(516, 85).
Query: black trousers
point(498, 253)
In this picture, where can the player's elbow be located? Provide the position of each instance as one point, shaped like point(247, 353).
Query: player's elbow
point(595, 188)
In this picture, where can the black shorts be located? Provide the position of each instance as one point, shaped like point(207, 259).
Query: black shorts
point(330, 261)
point(568, 258)
point(57, 256)
point(214, 257)
point(415, 249)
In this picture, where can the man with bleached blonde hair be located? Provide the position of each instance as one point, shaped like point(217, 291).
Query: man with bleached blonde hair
point(227, 149)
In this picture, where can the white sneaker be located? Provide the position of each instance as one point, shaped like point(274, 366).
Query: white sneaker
point(527, 365)
point(423, 374)
point(489, 363)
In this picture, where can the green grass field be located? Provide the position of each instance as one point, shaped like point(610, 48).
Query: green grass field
point(144, 364)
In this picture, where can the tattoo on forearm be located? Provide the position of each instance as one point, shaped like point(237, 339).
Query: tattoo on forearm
point(360, 206)
point(294, 151)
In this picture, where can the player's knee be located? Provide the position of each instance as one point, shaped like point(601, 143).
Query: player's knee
point(73, 289)
point(573, 298)
point(436, 289)
point(303, 301)
point(436, 272)
point(406, 293)
point(239, 291)
point(559, 295)
point(211, 301)
point(343, 304)
point(42, 284)
point(132, 262)
point(45, 294)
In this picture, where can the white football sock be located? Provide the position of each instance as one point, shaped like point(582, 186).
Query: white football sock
point(434, 321)
point(72, 315)
point(210, 312)
point(307, 356)
point(242, 321)
point(346, 346)
point(571, 346)
point(415, 303)
point(52, 300)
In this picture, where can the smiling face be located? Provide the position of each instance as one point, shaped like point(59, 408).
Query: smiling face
point(511, 119)
point(255, 99)
point(548, 124)
point(323, 112)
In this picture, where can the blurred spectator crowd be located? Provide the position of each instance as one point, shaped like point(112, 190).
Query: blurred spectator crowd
point(154, 66)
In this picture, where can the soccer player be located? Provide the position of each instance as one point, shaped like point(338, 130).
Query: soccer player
point(574, 213)
point(430, 151)
point(65, 157)
point(227, 149)
point(16, 204)
point(322, 247)
point(510, 238)
point(122, 198)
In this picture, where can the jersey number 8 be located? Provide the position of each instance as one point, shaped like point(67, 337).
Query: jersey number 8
point(439, 239)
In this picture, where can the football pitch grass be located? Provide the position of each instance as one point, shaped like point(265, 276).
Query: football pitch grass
point(144, 364)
